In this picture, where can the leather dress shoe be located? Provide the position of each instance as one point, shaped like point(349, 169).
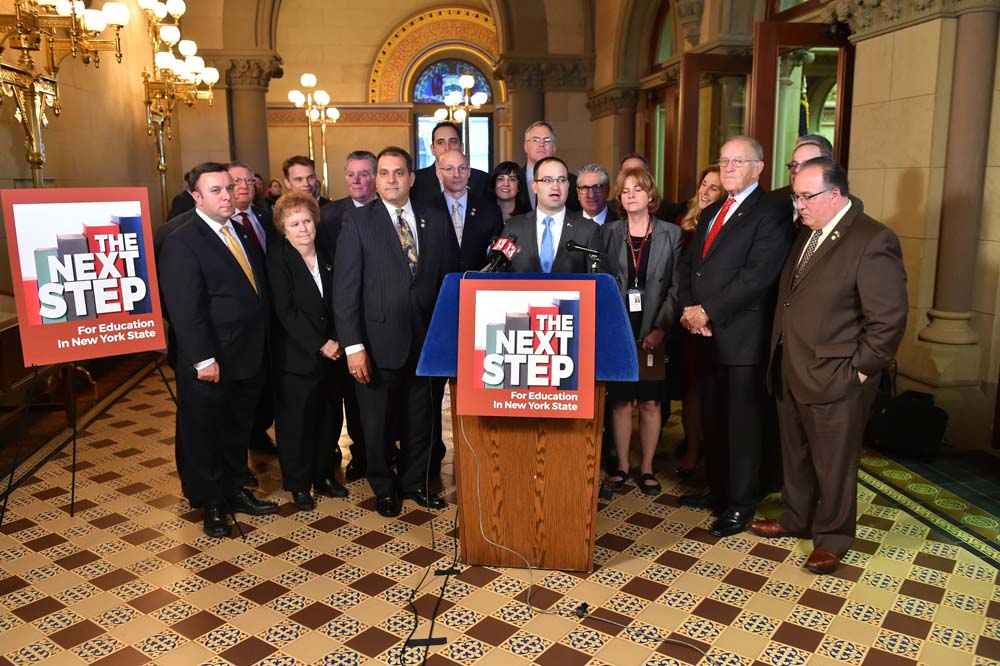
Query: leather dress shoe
point(822, 562)
point(388, 506)
point(245, 502)
point(770, 529)
point(303, 501)
point(431, 501)
point(730, 523)
point(355, 470)
point(251, 481)
point(330, 488)
point(216, 525)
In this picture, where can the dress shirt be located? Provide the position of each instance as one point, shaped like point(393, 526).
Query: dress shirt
point(600, 218)
point(740, 197)
point(217, 228)
point(826, 229)
point(462, 206)
point(314, 271)
point(254, 222)
point(557, 227)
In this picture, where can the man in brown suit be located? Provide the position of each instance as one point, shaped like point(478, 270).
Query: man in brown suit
point(840, 318)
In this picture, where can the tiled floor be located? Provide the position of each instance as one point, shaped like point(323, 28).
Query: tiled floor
point(131, 579)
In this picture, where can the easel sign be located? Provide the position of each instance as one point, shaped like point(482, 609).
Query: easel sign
point(526, 348)
point(82, 266)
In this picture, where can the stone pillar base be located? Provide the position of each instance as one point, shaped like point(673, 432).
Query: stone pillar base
point(949, 328)
point(942, 365)
point(970, 411)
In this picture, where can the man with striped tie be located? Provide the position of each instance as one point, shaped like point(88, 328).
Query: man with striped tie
point(215, 289)
point(841, 315)
point(392, 255)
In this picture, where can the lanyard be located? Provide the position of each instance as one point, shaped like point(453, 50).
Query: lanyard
point(637, 255)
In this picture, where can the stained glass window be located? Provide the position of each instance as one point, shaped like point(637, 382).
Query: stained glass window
point(441, 78)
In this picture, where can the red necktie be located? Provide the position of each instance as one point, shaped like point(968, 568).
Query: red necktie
point(720, 219)
point(245, 221)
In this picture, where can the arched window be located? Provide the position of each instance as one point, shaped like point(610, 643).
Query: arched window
point(430, 87)
point(665, 45)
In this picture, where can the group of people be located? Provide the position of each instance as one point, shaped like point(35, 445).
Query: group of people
point(320, 308)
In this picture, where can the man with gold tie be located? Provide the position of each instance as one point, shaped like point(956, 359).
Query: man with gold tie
point(214, 287)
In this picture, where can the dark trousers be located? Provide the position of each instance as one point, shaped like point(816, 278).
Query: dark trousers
point(263, 415)
point(397, 396)
point(214, 423)
point(306, 405)
point(732, 411)
point(438, 448)
point(347, 408)
point(821, 445)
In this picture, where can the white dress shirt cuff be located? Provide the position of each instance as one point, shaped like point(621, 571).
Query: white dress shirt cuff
point(204, 364)
point(353, 349)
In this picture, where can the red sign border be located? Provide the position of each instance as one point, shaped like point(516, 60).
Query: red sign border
point(38, 343)
point(473, 401)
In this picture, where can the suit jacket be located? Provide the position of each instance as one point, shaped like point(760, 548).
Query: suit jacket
point(214, 310)
point(575, 227)
point(426, 186)
point(659, 302)
point(181, 203)
point(736, 281)
point(483, 223)
point(303, 317)
point(572, 203)
point(330, 219)
point(377, 301)
point(846, 312)
point(266, 219)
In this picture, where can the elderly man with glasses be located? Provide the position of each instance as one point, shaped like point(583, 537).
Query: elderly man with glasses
point(728, 279)
point(539, 143)
point(592, 183)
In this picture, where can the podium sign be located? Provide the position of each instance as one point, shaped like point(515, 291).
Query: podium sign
point(526, 348)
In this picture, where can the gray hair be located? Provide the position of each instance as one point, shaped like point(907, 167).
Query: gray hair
point(539, 123)
point(239, 165)
point(365, 155)
point(818, 140)
point(595, 168)
point(758, 151)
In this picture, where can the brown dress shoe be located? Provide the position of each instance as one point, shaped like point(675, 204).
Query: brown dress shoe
point(770, 529)
point(822, 562)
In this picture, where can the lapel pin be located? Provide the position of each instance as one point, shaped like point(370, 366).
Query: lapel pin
point(835, 235)
point(472, 212)
point(328, 267)
point(423, 224)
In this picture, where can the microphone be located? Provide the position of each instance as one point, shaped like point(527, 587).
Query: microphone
point(502, 251)
point(573, 246)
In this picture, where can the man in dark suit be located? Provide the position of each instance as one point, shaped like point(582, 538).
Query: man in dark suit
point(807, 147)
point(539, 143)
point(841, 315)
point(427, 185)
point(183, 201)
point(359, 175)
point(391, 260)
point(300, 176)
point(476, 221)
point(219, 307)
point(542, 234)
point(728, 277)
point(593, 185)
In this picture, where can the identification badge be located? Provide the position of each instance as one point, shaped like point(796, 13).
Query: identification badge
point(634, 300)
point(650, 360)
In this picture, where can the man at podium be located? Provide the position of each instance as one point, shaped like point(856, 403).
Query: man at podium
point(543, 234)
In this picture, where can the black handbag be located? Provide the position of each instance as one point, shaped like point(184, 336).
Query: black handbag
point(906, 425)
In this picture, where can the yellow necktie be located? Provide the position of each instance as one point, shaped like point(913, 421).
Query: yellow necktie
point(241, 258)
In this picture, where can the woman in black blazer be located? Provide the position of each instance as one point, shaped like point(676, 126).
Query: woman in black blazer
point(303, 351)
point(644, 256)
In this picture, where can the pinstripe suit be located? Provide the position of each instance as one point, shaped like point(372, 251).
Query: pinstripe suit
point(379, 304)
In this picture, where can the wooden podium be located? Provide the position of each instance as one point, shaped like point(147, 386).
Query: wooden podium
point(534, 488)
point(527, 486)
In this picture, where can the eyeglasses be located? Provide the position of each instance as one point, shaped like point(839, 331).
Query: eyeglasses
point(244, 181)
point(506, 179)
point(793, 166)
point(548, 180)
point(463, 168)
point(737, 162)
point(542, 139)
point(587, 189)
point(803, 198)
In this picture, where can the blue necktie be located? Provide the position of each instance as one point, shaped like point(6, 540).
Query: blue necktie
point(548, 252)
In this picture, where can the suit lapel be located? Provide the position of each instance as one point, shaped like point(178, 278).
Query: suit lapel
point(390, 234)
point(744, 208)
point(532, 240)
point(219, 247)
point(829, 244)
point(622, 253)
point(423, 242)
point(568, 232)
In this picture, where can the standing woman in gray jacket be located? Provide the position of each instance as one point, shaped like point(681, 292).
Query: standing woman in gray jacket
point(643, 255)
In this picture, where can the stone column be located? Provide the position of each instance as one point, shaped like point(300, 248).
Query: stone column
point(526, 99)
point(964, 177)
point(619, 101)
point(247, 75)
